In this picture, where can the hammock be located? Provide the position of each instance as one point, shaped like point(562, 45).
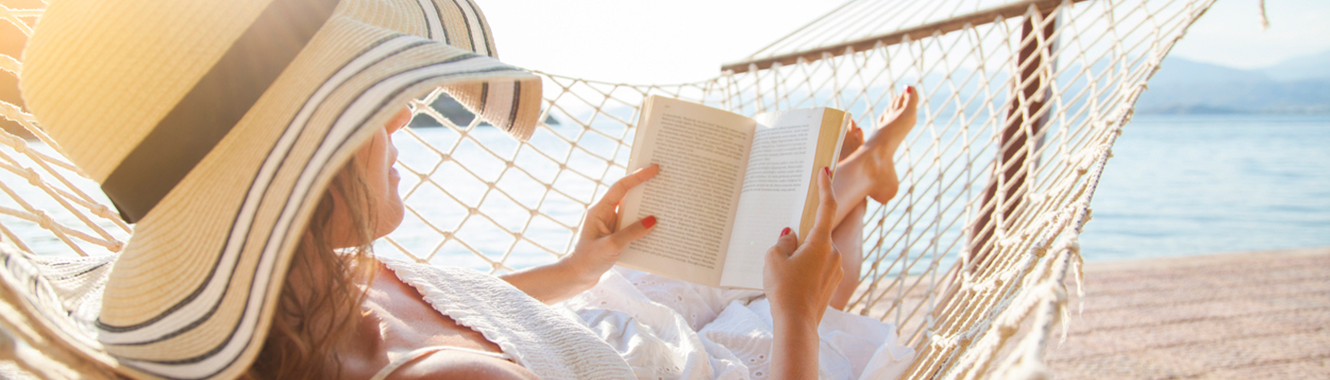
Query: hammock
point(1021, 103)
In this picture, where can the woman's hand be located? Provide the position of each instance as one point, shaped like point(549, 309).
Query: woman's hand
point(799, 281)
point(598, 246)
point(599, 242)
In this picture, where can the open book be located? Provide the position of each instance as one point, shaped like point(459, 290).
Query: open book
point(728, 185)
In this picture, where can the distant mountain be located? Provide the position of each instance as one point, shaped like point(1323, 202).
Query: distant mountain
point(1175, 70)
point(1313, 67)
point(1299, 85)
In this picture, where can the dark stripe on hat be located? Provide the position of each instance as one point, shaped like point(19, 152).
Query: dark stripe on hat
point(484, 98)
point(466, 24)
point(517, 101)
point(216, 103)
point(484, 33)
point(438, 15)
point(432, 20)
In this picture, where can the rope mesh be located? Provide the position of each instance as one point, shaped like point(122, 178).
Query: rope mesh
point(1017, 118)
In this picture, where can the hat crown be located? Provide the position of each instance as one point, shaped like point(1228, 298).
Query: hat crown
point(99, 75)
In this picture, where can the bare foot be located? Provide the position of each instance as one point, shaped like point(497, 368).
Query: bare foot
point(897, 122)
point(853, 139)
point(878, 152)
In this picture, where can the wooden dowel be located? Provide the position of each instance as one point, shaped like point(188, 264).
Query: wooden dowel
point(981, 17)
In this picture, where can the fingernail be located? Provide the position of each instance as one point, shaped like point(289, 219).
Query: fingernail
point(785, 231)
point(909, 90)
point(649, 221)
point(826, 170)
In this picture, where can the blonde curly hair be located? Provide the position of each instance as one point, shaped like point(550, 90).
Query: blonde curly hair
point(311, 321)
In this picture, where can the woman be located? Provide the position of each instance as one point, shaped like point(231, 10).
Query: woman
point(393, 319)
point(246, 140)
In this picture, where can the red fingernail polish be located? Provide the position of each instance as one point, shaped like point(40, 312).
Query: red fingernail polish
point(909, 89)
point(826, 170)
point(785, 231)
point(649, 221)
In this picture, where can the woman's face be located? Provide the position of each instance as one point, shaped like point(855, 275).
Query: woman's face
point(378, 157)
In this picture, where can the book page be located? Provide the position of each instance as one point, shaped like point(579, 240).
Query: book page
point(835, 123)
point(776, 181)
point(702, 152)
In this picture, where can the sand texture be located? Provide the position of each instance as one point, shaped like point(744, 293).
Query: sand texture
point(1255, 315)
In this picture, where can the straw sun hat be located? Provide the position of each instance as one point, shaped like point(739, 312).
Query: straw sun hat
point(216, 125)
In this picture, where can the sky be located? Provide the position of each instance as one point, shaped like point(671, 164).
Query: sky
point(665, 42)
point(641, 42)
point(1230, 33)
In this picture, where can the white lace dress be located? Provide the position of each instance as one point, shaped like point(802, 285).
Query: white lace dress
point(635, 324)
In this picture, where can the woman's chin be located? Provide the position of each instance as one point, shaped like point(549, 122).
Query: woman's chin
point(390, 222)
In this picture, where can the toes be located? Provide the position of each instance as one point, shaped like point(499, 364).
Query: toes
point(853, 139)
point(904, 105)
point(910, 98)
point(907, 99)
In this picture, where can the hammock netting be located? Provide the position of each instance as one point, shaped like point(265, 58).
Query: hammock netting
point(1020, 104)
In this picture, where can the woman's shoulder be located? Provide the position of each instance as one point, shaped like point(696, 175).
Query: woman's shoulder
point(448, 364)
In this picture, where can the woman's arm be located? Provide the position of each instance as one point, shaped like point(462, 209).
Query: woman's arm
point(799, 282)
point(598, 246)
point(549, 283)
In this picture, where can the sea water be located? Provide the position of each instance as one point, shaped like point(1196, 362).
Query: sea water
point(1187, 184)
point(1177, 185)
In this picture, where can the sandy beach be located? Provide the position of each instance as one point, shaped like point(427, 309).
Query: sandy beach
point(1250, 315)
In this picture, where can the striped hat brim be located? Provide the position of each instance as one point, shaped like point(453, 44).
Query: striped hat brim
point(194, 291)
